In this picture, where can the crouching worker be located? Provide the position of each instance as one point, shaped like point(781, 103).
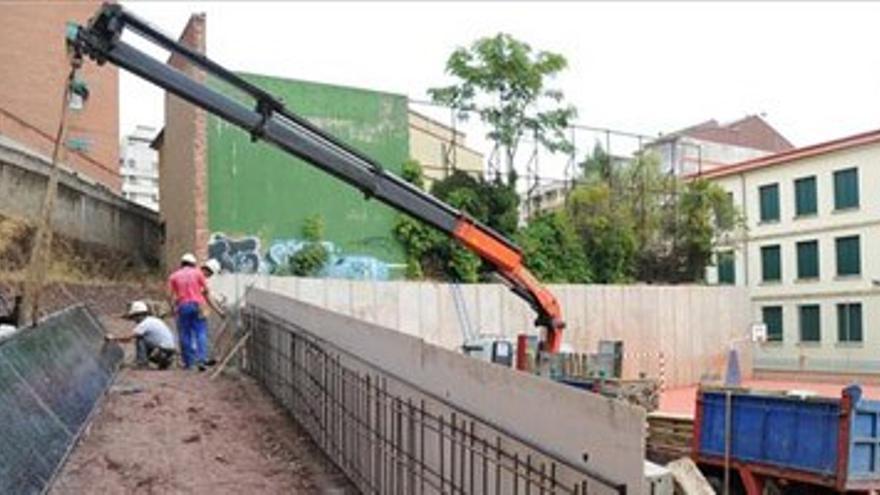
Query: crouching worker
point(153, 339)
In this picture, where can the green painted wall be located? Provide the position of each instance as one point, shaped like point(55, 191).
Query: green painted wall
point(257, 190)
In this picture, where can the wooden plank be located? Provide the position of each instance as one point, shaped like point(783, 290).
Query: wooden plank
point(238, 345)
point(688, 478)
point(38, 264)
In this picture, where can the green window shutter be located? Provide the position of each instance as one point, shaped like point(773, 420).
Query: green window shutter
point(769, 197)
point(849, 322)
point(809, 320)
point(848, 255)
point(808, 259)
point(773, 319)
point(771, 267)
point(726, 268)
point(846, 188)
point(805, 196)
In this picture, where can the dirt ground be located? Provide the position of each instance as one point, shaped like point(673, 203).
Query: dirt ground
point(177, 431)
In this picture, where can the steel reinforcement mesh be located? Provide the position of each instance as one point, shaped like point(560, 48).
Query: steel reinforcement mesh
point(51, 378)
point(389, 436)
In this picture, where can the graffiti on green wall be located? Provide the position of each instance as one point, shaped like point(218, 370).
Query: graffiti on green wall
point(246, 255)
point(257, 191)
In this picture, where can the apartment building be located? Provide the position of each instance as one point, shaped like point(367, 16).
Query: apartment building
point(440, 149)
point(139, 168)
point(811, 255)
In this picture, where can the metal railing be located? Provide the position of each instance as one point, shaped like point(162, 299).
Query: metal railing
point(390, 436)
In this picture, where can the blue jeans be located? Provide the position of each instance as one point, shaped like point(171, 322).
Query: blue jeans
point(193, 330)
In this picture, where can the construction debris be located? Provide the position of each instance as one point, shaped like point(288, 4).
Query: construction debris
point(232, 352)
point(688, 478)
point(669, 437)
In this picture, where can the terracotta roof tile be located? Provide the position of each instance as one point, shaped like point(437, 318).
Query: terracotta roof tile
point(847, 142)
point(749, 132)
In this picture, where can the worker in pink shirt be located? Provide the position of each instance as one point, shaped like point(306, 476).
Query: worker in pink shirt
point(188, 289)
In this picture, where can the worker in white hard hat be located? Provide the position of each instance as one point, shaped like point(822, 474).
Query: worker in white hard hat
point(154, 342)
point(188, 290)
point(211, 267)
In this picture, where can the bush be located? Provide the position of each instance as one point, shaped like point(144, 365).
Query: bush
point(309, 260)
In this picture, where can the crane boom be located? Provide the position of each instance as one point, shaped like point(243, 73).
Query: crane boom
point(271, 121)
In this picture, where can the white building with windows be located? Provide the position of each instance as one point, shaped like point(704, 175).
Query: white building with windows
point(811, 255)
point(139, 168)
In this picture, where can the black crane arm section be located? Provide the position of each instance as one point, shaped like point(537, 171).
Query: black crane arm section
point(271, 121)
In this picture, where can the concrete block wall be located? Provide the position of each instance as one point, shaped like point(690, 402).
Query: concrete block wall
point(84, 210)
point(679, 333)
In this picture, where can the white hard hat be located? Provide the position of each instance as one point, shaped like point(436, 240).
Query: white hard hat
point(188, 258)
point(212, 265)
point(137, 308)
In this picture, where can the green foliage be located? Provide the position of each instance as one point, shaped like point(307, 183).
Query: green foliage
point(636, 222)
point(704, 213)
point(492, 202)
point(313, 228)
point(597, 166)
point(311, 258)
point(606, 230)
point(411, 171)
point(504, 81)
point(552, 250)
point(433, 254)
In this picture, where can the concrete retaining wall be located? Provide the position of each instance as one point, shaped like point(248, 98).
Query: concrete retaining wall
point(603, 436)
point(84, 210)
point(679, 333)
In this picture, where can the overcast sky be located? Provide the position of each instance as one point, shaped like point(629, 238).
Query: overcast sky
point(812, 68)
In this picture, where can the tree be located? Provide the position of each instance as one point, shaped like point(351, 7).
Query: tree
point(433, 254)
point(597, 166)
point(606, 231)
point(504, 81)
point(639, 223)
point(705, 216)
point(552, 249)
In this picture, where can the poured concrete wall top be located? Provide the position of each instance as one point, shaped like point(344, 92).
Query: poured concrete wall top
point(571, 424)
point(679, 334)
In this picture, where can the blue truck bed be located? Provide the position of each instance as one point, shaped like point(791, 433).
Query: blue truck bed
point(832, 442)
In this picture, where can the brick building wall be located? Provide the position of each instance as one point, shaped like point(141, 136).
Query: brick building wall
point(35, 65)
point(183, 161)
